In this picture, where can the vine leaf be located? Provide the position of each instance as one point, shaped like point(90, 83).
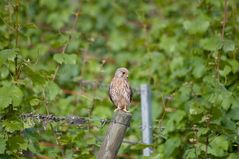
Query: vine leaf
point(10, 95)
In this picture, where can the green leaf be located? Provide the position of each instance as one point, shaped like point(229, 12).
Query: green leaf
point(172, 144)
point(12, 125)
point(199, 25)
point(4, 72)
point(175, 120)
point(211, 44)
point(28, 123)
point(234, 113)
point(227, 101)
point(52, 90)
point(233, 156)
point(189, 154)
point(17, 95)
point(34, 75)
point(5, 101)
point(49, 4)
point(34, 102)
point(65, 58)
point(141, 146)
point(218, 146)
point(2, 145)
point(10, 95)
point(198, 67)
point(202, 131)
point(70, 58)
point(234, 64)
point(59, 58)
point(168, 44)
point(228, 45)
point(31, 26)
point(225, 71)
point(16, 143)
point(7, 54)
point(117, 41)
point(195, 109)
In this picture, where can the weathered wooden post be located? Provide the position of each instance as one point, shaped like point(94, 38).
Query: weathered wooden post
point(115, 135)
point(145, 96)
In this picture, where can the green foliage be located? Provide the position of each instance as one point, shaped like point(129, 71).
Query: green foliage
point(50, 49)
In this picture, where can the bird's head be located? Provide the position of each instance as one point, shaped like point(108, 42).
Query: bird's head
point(122, 73)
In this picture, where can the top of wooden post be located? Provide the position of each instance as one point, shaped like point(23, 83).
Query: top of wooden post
point(121, 117)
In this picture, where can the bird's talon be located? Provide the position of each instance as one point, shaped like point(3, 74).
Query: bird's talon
point(125, 110)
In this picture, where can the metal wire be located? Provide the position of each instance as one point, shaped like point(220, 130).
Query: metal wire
point(70, 119)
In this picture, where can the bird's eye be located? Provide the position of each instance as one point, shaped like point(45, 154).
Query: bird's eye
point(123, 73)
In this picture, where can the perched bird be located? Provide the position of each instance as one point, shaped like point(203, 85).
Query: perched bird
point(120, 92)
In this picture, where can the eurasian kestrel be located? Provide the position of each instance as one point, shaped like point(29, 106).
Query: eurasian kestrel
point(120, 92)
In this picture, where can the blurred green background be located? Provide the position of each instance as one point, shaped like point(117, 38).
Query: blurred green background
point(58, 57)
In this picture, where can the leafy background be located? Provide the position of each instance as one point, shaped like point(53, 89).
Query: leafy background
point(57, 57)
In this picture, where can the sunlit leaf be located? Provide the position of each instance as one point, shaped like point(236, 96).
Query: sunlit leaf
point(172, 144)
point(10, 95)
point(199, 25)
point(35, 76)
point(34, 101)
point(12, 125)
point(65, 58)
point(52, 90)
point(2, 145)
point(211, 44)
point(218, 146)
point(228, 45)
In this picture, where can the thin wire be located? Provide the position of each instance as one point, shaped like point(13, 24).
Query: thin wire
point(80, 121)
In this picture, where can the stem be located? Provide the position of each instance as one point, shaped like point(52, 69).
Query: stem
point(16, 67)
point(207, 143)
point(17, 23)
point(218, 57)
point(224, 20)
point(16, 40)
point(52, 129)
point(196, 136)
point(207, 136)
point(164, 112)
point(67, 43)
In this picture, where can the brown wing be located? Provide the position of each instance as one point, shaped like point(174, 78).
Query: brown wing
point(127, 91)
point(110, 94)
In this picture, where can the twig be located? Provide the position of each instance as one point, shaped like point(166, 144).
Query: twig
point(17, 22)
point(67, 43)
point(164, 112)
point(207, 120)
point(195, 129)
point(207, 143)
point(218, 57)
point(16, 39)
point(224, 20)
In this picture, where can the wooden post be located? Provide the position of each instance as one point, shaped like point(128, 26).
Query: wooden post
point(115, 135)
point(146, 117)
